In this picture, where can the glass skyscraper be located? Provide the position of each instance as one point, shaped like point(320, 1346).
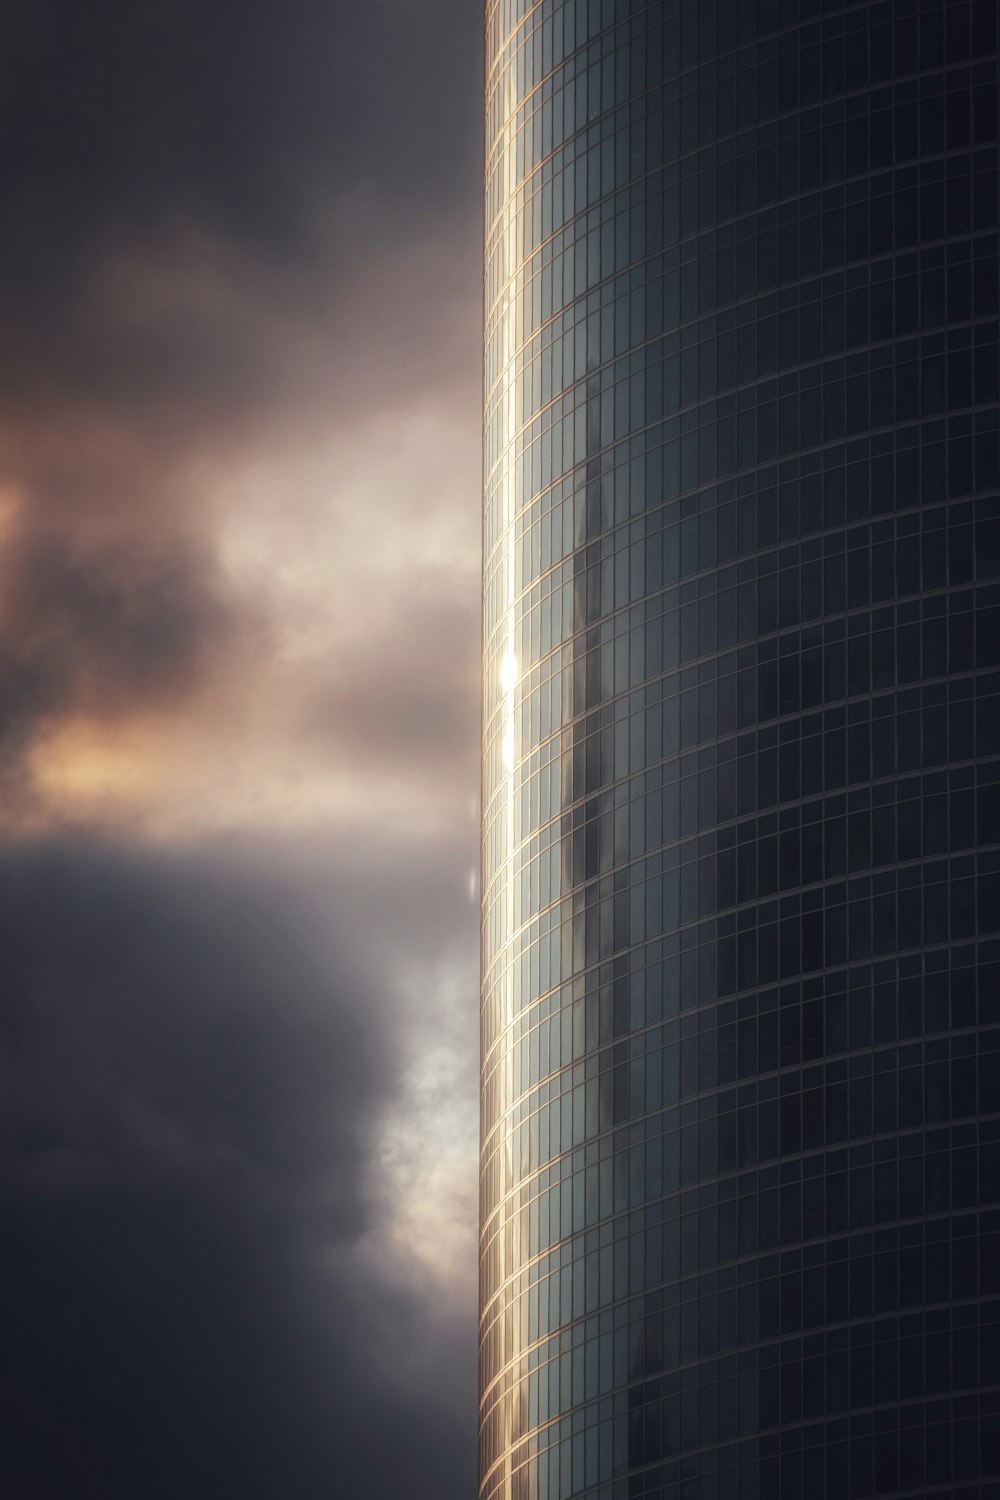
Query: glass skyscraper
point(740, 1183)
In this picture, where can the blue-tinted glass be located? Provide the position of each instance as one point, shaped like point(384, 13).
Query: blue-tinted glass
point(740, 1184)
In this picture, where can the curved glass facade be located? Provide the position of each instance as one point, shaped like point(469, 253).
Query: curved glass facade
point(740, 1183)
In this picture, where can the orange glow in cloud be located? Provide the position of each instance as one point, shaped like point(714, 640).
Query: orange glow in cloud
point(89, 771)
point(10, 505)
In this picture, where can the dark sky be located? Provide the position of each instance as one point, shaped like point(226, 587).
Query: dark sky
point(239, 549)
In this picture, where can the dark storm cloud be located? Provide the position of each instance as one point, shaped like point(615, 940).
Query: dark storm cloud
point(240, 116)
point(188, 1101)
point(235, 235)
point(191, 188)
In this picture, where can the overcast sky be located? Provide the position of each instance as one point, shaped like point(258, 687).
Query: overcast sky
point(239, 635)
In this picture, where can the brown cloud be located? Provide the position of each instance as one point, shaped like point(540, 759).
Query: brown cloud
point(190, 334)
point(343, 445)
point(239, 476)
point(105, 628)
point(100, 632)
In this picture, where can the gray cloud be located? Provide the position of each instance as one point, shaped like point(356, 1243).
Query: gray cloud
point(240, 240)
point(235, 116)
point(409, 693)
point(218, 213)
point(189, 1095)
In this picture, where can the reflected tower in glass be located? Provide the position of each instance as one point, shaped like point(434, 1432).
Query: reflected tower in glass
point(740, 1185)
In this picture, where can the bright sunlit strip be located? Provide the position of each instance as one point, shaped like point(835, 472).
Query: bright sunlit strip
point(508, 671)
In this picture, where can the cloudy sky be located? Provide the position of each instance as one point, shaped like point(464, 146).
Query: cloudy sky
point(239, 552)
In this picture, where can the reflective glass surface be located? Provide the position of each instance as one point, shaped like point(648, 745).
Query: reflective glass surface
point(740, 1178)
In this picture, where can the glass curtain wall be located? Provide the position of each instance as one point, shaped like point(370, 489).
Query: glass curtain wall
point(740, 1181)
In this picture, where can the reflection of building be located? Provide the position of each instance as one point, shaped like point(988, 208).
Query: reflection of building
point(741, 912)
